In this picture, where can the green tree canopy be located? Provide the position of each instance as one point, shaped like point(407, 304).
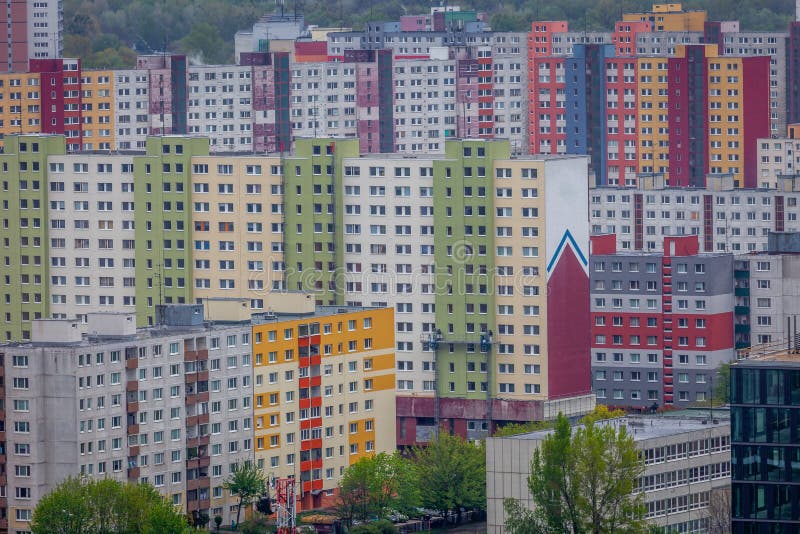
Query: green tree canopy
point(452, 474)
point(375, 485)
point(87, 506)
point(247, 483)
point(582, 482)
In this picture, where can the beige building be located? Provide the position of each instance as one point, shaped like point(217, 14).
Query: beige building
point(237, 227)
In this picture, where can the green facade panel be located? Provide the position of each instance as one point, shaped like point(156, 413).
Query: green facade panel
point(313, 214)
point(25, 265)
point(463, 200)
point(163, 215)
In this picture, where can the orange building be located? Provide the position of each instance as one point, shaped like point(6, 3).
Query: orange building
point(670, 18)
point(324, 394)
point(20, 104)
point(97, 107)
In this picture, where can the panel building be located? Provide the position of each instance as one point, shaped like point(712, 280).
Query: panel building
point(180, 405)
point(128, 404)
point(324, 394)
point(662, 323)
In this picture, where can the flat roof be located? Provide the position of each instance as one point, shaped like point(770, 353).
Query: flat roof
point(647, 427)
point(783, 357)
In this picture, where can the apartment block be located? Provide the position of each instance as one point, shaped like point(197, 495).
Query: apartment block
point(725, 218)
point(687, 459)
point(91, 237)
point(26, 242)
point(163, 223)
point(504, 275)
point(136, 405)
point(766, 287)
point(324, 394)
point(34, 30)
point(765, 393)
point(313, 223)
point(238, 201)
point(661, 323)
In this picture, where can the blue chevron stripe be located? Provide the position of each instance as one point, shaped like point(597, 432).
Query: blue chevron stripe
point(575, 247)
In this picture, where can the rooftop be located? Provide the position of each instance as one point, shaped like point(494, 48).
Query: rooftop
point(652, 427)
point(779, 352)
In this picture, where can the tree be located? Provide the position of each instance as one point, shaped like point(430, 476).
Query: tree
point(374, 485)
point(247, 482)
point(451, 474)
point(601, 413)
point(582, 482)
point(722, 384)
point(719, 511)
point(106, 507)
point(206, 42)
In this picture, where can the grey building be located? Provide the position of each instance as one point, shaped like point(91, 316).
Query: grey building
point(170, 405)
point(661, 323)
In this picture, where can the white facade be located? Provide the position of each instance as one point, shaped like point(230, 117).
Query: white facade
point(130, 407)
point(741, 218)
point(91, 232)
point(45, 29)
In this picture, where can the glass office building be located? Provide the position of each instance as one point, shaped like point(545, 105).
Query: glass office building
point(765, 444)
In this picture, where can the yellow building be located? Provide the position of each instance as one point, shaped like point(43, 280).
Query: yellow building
point(324, 394)
point(521, 297)
point(653, 116)
point(20, 104)
point(98, 110)
point(670, 18)
point(725, 115)
point(237, 225)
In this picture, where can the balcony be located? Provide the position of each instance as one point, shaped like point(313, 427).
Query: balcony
point(741, 310)
point(197, 483)
point(742, 291)
point(195, 355)
point(741, 328)
point(194, 398)
point(132, 385)
point(133, 429)
point(741, 273)
point(133, 473)
point(132, 363)
point(199, 419)
point(198, 441)
point(201, 504)
point(198, 461)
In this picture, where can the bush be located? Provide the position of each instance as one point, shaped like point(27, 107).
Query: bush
point(383, 526)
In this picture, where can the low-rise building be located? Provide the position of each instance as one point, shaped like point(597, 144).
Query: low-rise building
point(181, 404)
point(687, 459)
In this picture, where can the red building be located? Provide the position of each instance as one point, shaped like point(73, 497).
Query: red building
point(661, 323)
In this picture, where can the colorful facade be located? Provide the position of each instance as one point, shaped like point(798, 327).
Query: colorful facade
point(661, 323)
point(324, 392)
point(164, 265)
point(25, 204)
